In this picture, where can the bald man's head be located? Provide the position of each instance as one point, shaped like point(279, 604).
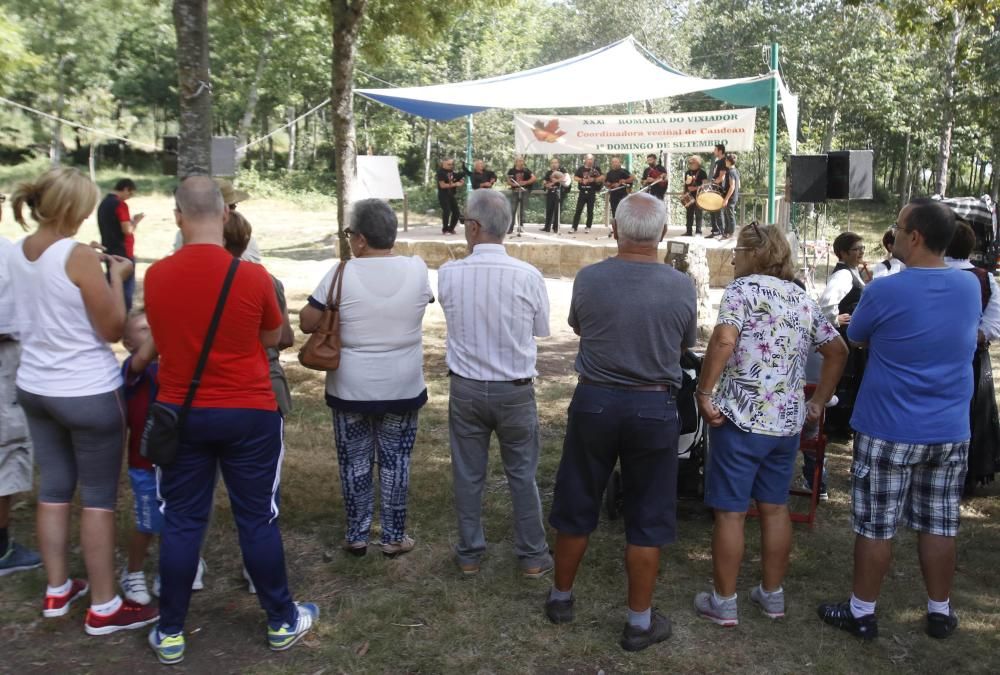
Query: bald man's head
point(199, 199)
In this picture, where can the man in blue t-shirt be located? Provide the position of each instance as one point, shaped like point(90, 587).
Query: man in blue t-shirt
point(911, 417)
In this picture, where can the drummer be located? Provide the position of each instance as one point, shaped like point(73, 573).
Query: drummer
point(694, 178)
point(556, 189)
point(719, 178)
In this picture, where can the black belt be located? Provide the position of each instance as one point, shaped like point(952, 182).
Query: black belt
point(524, 381)
point(668, 388)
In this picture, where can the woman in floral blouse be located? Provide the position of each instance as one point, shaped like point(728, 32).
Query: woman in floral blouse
point(751, 393)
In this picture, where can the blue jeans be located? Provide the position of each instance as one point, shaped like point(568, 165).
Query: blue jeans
point(605, 425)
point(359, 439)
point(247, 446)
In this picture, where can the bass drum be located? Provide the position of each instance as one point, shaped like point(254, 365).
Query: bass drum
point(710, 197)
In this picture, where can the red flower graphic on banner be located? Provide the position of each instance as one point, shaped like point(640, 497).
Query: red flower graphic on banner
point(548, 131)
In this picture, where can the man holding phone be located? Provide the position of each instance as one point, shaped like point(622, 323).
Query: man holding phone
point(118, 226)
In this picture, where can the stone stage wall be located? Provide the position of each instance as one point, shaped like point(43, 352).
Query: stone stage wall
point(563, 260)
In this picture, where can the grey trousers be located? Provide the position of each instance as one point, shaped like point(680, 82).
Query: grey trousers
point(476, 410)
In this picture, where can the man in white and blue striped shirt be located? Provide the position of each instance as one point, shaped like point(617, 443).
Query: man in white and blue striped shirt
point(495, 306)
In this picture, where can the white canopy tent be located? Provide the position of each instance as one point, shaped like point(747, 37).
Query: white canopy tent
point(622, 72)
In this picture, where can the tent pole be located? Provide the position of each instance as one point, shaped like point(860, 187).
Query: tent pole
point(628, 157)
point(772, 166)
point(468, 151)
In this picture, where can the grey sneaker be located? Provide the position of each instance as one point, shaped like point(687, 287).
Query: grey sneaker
point(723, 613)
point(18, 559)
point(773, 604)
point(634, 639)
point(559, 611)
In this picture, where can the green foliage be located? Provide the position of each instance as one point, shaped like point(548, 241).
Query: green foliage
point(869, 72)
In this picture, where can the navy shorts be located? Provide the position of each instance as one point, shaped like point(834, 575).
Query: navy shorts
point(742, 464)
point(606, 425)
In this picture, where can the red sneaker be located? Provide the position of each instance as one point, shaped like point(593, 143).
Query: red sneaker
point(58, 605)
point(129, 616)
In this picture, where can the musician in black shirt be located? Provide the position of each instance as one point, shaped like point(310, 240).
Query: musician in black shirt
point(719, 178)
point(448, 182)
point(556, 189)
point(694, 178)
point(481, 176)
point(656, 176)
point(618, 182)
point(588, 179)
point(519, 180)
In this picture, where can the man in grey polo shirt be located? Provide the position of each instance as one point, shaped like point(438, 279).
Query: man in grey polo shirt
point(495, 306)
point(634, 316)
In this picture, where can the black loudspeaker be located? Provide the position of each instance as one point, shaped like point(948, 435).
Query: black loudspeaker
point(807, 178)
point(168, 158)
point(850, 175)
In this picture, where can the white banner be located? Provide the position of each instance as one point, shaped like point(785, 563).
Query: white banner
point(635, 134)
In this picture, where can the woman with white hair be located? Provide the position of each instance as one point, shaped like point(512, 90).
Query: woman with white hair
point(694, 178)
point(378, 390)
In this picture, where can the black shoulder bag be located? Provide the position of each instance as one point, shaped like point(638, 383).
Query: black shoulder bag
point(161, 435)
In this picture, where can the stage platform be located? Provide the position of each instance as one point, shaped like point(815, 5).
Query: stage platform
point(558, 255)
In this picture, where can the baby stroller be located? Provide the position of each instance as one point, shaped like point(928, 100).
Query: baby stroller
point(692, 446)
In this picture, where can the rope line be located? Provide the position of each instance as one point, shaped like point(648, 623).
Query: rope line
point(282, 128)
point(77, 125)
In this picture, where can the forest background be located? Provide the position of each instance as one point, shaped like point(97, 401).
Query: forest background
point(917, 82)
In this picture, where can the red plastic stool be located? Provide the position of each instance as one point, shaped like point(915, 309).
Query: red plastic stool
point(816, 446)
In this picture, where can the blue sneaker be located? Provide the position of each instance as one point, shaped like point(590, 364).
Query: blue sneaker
point(18, 559)
point(169, 648)
point(284, 637)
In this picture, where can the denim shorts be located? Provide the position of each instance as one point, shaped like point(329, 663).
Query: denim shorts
point(148, 518)
point(639, 429)
point(744, 465)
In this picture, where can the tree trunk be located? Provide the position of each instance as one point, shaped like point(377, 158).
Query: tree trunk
point(347, 20)
point(194, 142)
point(55, 143)
point(427, 153)
point(948, 95)
point(292, 136)
point(904, 173)
point(243, 130)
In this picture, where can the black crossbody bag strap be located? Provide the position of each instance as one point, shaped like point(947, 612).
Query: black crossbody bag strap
point(207, 347)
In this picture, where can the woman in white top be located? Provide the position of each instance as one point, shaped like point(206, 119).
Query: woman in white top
point(378, 390)
point(838, 301)
point(891, 265)
point(70, 388)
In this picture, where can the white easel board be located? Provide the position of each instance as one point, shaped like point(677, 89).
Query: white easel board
point(378, 177)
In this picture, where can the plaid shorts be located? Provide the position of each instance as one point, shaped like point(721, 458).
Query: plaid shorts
point(920, 485)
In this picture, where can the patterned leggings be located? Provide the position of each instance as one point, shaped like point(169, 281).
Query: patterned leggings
point(359, 437)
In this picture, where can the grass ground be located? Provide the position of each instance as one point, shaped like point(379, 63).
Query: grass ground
point(417, 615)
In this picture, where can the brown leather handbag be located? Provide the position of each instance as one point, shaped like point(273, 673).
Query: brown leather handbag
point(322, 350)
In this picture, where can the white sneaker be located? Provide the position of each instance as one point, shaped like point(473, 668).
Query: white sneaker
point(251, 589)
point(199, 576)
point(134, 587)
point(197, 585)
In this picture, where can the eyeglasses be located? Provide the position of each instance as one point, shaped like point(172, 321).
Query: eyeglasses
point(896, 227)
point(3, 198)
point(741, 248)
point(858, 249)
point(349, 232)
